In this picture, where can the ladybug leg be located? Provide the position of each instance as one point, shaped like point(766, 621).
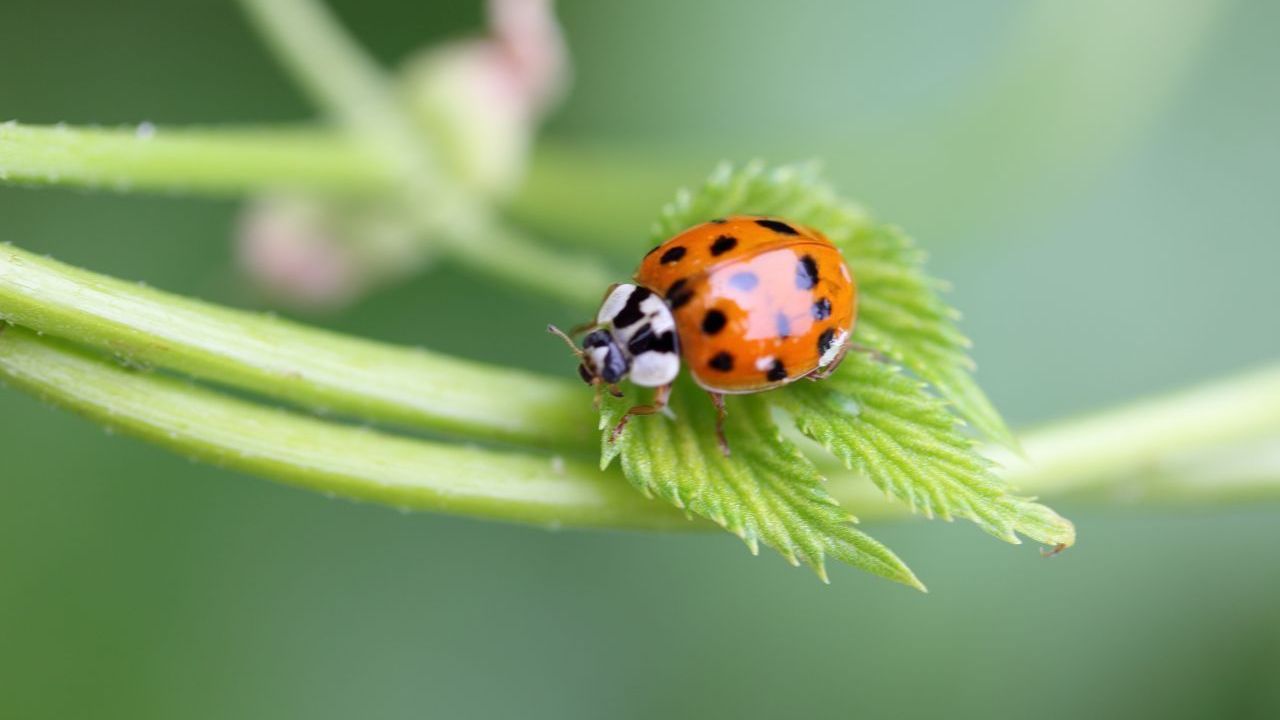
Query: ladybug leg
point(600, 387)
point(717, 399)
point(1053, 550)
point(874, 353)
point(659, 402)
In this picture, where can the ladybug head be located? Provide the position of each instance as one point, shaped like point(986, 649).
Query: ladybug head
point(603, 359)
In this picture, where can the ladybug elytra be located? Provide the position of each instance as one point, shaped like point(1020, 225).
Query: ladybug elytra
point(747, 303)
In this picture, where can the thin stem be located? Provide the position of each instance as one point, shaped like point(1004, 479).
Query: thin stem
point(229, 161)
point(1171, 436)
point(219, 162)
point(347, 84)
point(317, 455)
point(239, 161)
point(284, 360)
point(1216, 442)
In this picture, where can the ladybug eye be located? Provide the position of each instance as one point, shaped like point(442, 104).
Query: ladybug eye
point(585, 374)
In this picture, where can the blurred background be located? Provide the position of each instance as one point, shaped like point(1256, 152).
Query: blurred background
point(1098, 180)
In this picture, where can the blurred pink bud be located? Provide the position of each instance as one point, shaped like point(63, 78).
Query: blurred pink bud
point(481, 99)
point(285, 246)
point(478, 101)
point(527, 32)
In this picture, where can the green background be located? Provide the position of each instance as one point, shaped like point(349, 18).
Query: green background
point(1099, 182)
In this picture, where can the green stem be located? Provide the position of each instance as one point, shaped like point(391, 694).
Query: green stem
point(291, 362)
point(1169, 438)
point(1217, 442)
point(344, 81)
point(219, 162)
point(238, 161)
point(1171, 460)
point(317, 455)
point(1177, 440)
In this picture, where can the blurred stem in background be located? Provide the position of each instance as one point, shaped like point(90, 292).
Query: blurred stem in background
point(442, 213)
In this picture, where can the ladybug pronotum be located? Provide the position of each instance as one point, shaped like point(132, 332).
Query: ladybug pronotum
point(748, 303)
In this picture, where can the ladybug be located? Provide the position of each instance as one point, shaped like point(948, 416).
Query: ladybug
point(749, 303)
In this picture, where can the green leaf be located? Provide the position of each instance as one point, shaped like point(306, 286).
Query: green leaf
point(766, 491)
point(880, 424)
point(879, 420)
point(901, 315)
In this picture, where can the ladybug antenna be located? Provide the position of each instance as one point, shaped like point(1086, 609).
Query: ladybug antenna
point(567, 340)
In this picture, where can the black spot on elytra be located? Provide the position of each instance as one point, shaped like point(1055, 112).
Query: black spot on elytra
point(723, 244)
point(806, 273)
point(777, 226)
point(744, 281)
point(672, 255)
point(713, 322)
point(777, 372)
point(822, 309)
point(630, 312)
point(722, 361)
point(825, 340)
point(783, 323)
point(646, 340)
point(678, 294)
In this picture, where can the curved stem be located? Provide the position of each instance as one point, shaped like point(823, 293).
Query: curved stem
point(347, 84)
point(292, 362)
point(345, 461)
point(372, 466)
point(1175, 437)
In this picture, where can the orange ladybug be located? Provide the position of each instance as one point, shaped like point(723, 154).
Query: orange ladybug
point(748, 303)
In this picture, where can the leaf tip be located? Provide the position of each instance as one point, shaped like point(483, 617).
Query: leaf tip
point(1042, 524)
point(820, 568)
point(904, 575)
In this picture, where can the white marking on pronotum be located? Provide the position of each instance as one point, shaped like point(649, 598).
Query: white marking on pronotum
point(652, 369)
point(614, 303)
point(659, 315)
